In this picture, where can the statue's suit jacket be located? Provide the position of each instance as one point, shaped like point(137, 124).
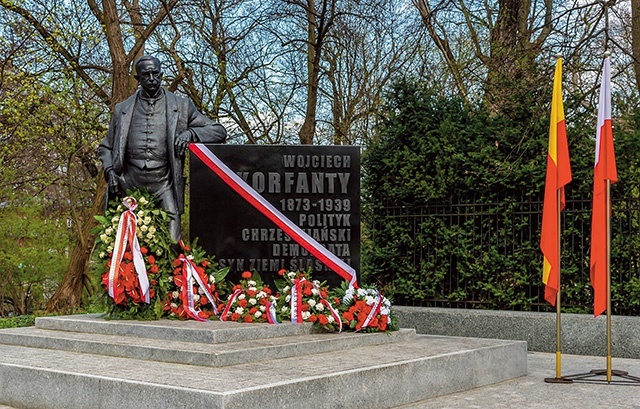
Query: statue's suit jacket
point(181, 116)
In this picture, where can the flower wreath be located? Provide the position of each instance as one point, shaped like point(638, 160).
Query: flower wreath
point(196, 285)
point(250, 301)
point(366, 310)
point(132, 246)
point(306, 300)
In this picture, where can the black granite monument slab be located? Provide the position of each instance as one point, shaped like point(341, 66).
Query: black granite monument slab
point(316, 187)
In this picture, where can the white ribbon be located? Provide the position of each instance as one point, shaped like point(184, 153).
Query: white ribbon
point(127, 232)
point(375, 309)
point(191, 273)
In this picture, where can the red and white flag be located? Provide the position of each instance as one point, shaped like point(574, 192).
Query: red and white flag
point(604, 170)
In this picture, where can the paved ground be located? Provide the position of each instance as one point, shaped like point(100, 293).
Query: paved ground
point(532, 392)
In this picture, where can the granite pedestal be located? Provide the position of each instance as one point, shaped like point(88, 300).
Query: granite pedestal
point(85, 361)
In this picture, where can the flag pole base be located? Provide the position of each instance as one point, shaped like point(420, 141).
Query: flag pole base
point(562, 379)
point(614, 372)
point(590, 377)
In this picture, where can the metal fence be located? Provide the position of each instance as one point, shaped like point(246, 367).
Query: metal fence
point(486, 253)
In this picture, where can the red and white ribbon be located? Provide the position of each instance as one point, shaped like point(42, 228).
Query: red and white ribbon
point(332, 310)
point(296, 302)
point(375, 309)
point(334, 313)
point(189, 273)
point(126, 233)
point(232, 298)
point(267, 209)
point(271, 313)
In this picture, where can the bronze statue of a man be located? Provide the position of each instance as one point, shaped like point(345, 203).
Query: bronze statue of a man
point(148, 138)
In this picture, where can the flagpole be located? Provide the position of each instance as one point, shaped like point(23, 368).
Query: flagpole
point(558, 298)
point(605, 174)
point(608, 207)
point(608, 241)
point(558, 378)
point(558, 326)
point(608, 372)
point(558, 175)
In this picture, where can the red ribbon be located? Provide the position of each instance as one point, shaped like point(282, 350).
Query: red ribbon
point(225, 312)
point(296, 302)
point(375, 309)
point(127, 234)
point(189, 273)
point(271, 313)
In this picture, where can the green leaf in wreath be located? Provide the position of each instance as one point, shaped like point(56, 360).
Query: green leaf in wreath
point(101, 219)
point(220, 274)
point(280, 283)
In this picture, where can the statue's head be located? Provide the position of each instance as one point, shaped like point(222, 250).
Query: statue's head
point(149, 74)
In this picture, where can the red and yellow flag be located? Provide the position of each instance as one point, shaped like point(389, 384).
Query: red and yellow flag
point(558, 175)
point(604, 169)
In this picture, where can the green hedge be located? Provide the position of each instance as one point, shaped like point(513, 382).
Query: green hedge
point(452, 204)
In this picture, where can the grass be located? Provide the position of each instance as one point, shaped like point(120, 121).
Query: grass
point(19, 321)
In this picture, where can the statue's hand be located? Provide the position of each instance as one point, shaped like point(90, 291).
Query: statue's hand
point(182, 142)
point(112, 181)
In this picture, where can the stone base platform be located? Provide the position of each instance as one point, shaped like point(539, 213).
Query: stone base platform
point(85, 361)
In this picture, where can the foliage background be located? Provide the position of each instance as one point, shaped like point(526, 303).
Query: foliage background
point(438, 155)
point(309, 71)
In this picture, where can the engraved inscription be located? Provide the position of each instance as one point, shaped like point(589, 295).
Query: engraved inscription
point(315, 187)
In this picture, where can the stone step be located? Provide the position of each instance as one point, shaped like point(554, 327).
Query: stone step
point(63, 364)
point(196, 353)
point(209, 332)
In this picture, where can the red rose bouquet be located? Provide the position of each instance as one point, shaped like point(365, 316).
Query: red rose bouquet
point(250, 301)
point(195, 287)
point(366, 310)
point(303, 299)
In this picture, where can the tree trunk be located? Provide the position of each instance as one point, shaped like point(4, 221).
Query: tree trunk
point(512, 73)
point(69, 293)
point(635, 39)
point(77, 277)
point(308, 129)
point(428, 18)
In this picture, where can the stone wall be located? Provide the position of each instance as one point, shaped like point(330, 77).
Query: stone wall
point(582, 334)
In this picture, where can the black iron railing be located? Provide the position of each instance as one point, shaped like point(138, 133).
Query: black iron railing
point(487, 255)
